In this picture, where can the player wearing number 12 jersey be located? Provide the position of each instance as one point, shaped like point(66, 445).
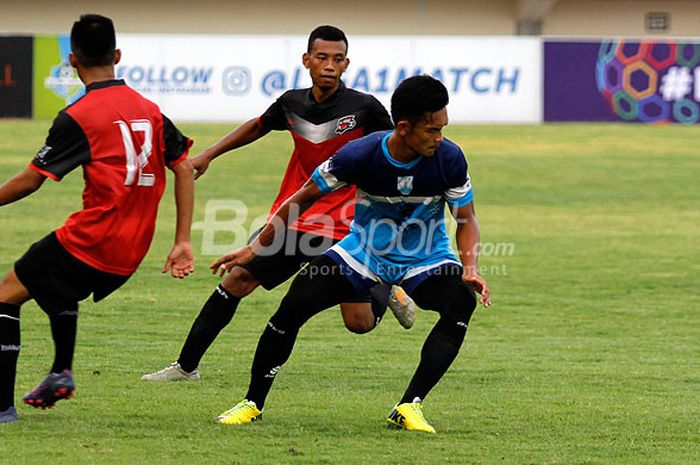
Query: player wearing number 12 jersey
point(123, 144)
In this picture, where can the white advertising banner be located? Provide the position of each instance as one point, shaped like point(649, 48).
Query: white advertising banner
point(234, 78)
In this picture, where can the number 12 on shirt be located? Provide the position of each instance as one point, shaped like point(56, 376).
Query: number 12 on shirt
point(136, 163)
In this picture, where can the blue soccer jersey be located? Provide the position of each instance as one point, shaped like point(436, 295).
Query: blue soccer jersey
point(398, 233)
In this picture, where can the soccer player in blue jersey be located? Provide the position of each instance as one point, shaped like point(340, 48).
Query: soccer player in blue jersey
point(404, 178)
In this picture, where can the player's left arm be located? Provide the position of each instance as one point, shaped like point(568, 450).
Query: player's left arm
point(20, 185)
point(467, 243)
point(180, 260)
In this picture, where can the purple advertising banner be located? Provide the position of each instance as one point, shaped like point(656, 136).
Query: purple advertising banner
point(622, 80)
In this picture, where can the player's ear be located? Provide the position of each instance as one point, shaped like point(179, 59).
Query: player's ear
point(403, 127)
point(72, 60)
point(117, 56)
point(306, 60)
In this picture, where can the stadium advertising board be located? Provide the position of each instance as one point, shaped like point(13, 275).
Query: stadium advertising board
point(15, 77)
point(56, 83)
point(227, 78)
point(622, 80)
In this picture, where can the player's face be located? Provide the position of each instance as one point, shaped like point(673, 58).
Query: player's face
point(425, 136)
point(326, 63)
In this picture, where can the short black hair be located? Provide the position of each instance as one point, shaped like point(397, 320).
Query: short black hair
point(416, 96)
point(330, 33)
point(93, 41)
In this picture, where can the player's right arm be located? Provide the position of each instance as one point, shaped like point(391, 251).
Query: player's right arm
point(246, 133)
point(20, 185)
point(66, 147)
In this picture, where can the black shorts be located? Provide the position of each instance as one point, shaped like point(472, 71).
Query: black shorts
point(57, 280)
point(281, 263)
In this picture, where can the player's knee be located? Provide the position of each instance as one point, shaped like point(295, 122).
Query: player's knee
point(240, 282)
point(454, 329)
point(360, 326)
point(12, 291)
point(358, 318)
point(458, 310)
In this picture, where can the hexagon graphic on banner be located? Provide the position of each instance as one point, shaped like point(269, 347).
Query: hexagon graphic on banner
point(650, 81)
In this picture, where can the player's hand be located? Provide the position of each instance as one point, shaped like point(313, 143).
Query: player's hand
point(472, 278)
point(200, 163)
point(235, 257)
point(180, 261)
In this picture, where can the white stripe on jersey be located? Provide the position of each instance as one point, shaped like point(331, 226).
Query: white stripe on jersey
point(354, 264)
point(422, 269)
point(398, 199)
point(457, 193)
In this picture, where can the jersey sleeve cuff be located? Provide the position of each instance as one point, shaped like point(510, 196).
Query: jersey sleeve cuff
point(182, 157)
point(320, 182)
point(462, 201)
point(44, 172)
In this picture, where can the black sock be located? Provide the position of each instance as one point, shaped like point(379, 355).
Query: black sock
point(214, 316)
point(439, 351)
point(9, 351)
point(380, 299)
point(64, 326)
point(274, 348)
point(317, 287)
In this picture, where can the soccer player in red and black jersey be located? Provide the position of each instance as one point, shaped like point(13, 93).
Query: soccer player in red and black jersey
point(321, 119)
point(123, 144)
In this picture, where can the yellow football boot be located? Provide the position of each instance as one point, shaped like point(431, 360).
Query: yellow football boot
point(242, 413)
point(409, 415)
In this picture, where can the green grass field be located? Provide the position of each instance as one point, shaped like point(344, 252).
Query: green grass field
point(589, 355)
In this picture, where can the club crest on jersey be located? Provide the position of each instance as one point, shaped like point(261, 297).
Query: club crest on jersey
point(345, 124)
point(404, 184)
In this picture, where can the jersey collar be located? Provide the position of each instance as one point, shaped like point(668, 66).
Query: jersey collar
point(104, 84)
point(396, 163)
point(341, 87)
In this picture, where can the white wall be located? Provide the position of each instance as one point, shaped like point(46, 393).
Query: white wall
point(391, 17)
point(620, 18)
point(411, 17)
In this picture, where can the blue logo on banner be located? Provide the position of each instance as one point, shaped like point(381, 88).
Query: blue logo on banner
point(167, 79)
point(63, 80)
point(479, 80)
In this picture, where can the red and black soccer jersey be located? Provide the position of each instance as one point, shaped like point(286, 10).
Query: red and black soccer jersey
point(123, 143)
point(319, 130)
